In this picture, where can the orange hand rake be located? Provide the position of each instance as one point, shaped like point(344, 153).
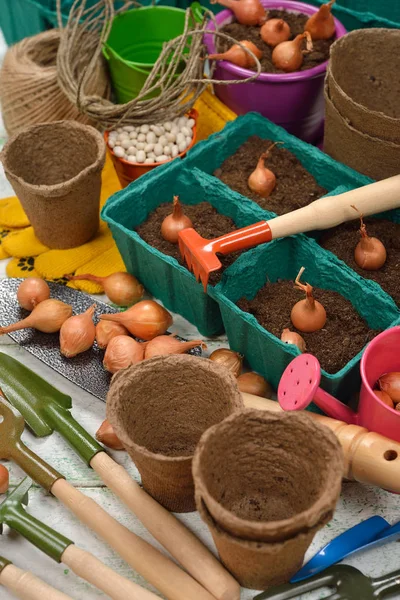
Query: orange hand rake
point(201, 254)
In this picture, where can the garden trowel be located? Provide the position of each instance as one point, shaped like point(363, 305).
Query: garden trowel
point(63, 550)
point(159, 570)
point(46, 409)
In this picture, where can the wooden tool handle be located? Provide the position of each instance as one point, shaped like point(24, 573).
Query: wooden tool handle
point(334, 210)
point(156, 568)
point(369, 457)
point(88, 567)
point(27, 586)
point(181, 543)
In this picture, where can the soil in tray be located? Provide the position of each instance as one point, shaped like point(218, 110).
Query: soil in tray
point(296, 23)
point(343, 336)
point(295, 186)
point(342, 241)
point(206, 220)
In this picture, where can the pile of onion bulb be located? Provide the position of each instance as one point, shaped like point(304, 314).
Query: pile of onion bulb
point(262, 180)
point(370, 253)
point(307, 315)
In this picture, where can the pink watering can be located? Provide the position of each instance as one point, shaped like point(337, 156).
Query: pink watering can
point(299, 386)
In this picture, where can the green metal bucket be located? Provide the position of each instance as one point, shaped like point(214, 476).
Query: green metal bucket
point(135, 43)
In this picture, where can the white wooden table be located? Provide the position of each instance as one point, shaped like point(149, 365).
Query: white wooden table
point(357, 502)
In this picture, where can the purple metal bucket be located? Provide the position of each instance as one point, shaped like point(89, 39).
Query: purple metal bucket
point(293, 100)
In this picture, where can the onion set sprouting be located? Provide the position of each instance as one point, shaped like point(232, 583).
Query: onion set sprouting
point(307, 315)
point(370, 253)
point(174, 223)
point(262, 180)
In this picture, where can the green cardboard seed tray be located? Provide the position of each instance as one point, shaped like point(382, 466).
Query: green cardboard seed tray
point(282, 259)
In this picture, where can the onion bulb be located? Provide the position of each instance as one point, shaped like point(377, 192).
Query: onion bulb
point(252, 383)
point(229, 359)
point(106, 331)
point(262, 180)
point(48, 316)
point(321, 24)
point(390, 383)
point(238, 55)
point(307, 315)
point(168, 344)
point(121, 288)
point(122, 352)
point(384, 396)
point(291, 337)
point(106, 435)
point(247, 12)
point(32, 291)
point(145, 320)
point(370, 253)
point(175, 222)
point(288, 56)
point(4, 479)
point(77, 334)
point(275, 31)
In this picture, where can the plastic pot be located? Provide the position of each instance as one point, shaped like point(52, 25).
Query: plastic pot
point(135, 43)
point(293, 100)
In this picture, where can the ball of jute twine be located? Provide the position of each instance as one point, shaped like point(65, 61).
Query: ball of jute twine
point(178, 87)
point(29, 90)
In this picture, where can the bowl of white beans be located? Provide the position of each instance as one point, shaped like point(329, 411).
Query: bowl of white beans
point(135, 150)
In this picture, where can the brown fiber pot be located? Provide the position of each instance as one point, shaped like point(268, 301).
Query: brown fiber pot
point(258, 565)
point(159, 409)
point(55, 170)
point(268, 477)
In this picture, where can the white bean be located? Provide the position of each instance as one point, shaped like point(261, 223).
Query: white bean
point(191, 123)
point(171, 137)
point(151, 155)
point(133, 135)
point(180, 138)
point(167, 150)
point(151, 137)
point(120, 129)
point(182, 122)
point(132, 150)
point(175, 129)
point(144, 129)
point(162, 140)
point(188, 140)
point(162, 158)
point(141, 137)
point(158, 150)
point(129, 128)
point(157, 130)
point(140, 146)
point(149, 161)
point(131, 158)
point(182, 146)
point(111, 143)
point(140, 156)
point(126, 143)
point(148, 147)
point(174, 150)
point(119, 151)
point(168, 126)
point(186, 131)
point(112, 134)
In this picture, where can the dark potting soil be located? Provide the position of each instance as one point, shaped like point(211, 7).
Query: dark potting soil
point(296, 23)
point(206, 220)
point(343, 336)
point(343, 239)
point(295, 186)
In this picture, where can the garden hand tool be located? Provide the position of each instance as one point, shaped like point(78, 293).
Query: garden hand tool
point(347, 582)
point(160, 571)
point(25, 585)
point(63, 550)
point(369, 457)
point(201, 254)
point(363, 536)
point(46, 409)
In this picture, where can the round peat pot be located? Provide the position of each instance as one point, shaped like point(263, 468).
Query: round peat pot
point(381, 356)
point(55, 170)
point(266, 482)
point(128, 171)
point(135, 43)
point(293, 100)
point(159, 409)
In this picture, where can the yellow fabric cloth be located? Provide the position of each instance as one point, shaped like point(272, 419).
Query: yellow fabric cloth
point(100, 256)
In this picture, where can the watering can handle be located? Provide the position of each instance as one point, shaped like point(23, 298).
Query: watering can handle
point(27, 586)
point(90, 568)
point(369, 456)
point(156, 568)
point(333, 210)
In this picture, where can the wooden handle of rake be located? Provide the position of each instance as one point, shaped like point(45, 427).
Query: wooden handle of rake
point(27, 586)
point(334, 210)
point(181, 543)
point(369, 456)
point(156, 568)
point(88, 567)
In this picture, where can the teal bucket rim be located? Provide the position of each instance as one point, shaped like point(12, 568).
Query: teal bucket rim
point(139, 66)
